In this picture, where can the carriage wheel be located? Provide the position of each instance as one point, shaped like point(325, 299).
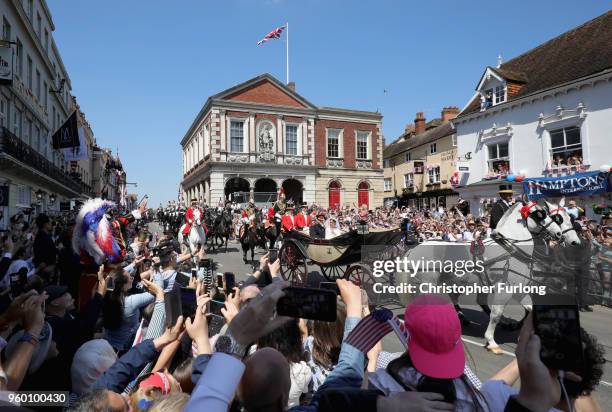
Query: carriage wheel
point(361, 276)
point(332, 273)
point(292, 264)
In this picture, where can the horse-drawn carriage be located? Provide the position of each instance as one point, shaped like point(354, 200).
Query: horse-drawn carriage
point(339, 257)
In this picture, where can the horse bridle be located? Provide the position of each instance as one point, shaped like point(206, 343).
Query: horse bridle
point(537, 219)
point(557, 211)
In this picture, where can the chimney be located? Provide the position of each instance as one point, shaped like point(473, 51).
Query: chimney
point(449, 113)
point(419, 123)
point(291, 85)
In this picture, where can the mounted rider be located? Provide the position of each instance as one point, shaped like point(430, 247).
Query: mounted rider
point(250, 210)
point(288, 220)
point(280, 207)
point(190, 216)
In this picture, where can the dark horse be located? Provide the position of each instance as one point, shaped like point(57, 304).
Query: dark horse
point(248, 240)
point(221, 229)
point(267, 235)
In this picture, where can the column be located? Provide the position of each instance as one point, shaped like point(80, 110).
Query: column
point(252, 146)
point(280, 135)
point(223, 131)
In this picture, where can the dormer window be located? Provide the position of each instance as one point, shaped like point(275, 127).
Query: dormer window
point(500, 94)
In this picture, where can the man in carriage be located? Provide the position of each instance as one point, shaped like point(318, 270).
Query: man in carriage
point(317, 230)
point(288, 219)
point(303, 219)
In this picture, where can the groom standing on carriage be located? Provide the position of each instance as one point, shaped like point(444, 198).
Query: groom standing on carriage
point(500, 207)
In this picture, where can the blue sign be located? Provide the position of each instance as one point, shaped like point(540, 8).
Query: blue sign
point(579, 184)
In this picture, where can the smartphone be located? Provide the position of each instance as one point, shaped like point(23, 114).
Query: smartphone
point(194, 273)
point(333, 286)
point(173, 306)
point(215, 324)
point(110, 283)
point(145, 197)
point(182, 279)
point(220, 281)
point(230, 282)
point(558, 327)
point(307, 303)
point(214, 307)
point(272, 255)
point(189, 302)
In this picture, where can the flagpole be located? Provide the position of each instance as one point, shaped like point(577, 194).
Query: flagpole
point(287, 28)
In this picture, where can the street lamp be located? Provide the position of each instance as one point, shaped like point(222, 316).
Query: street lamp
point(52, 198)
point(39, 196)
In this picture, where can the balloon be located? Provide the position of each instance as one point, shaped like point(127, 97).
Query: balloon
point(519, 178)
point(510, 178)
point(523, 172)
point(604, 168)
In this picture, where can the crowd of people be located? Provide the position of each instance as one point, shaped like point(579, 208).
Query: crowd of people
point(82, 309)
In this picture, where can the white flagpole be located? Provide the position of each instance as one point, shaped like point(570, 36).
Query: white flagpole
point(287, 28)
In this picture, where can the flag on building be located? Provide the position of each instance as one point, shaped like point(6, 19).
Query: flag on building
point(274, 34)
point(68, 134)
point(79, 152)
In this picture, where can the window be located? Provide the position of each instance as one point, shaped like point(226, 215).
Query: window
point(454, 140)
point(566, 147)
point(19, 52)
point(433, 148)
point(408, 180)
point(408, 156)
point(434, 174)
point(24, 196)
point(3, 112)
point(37, 91)
point(499, 162)
point(36, 139)
point(362, 145)
point(17, 123)
point(38, 26)
point(291, 139)
point(387, 163)
point(45, 92)
point(46, 40)
point(29, 74)
point(6, 29)
point(236, 136)
point(500, 94)
point(333, 143)
point(31, 10)
point(387, 184)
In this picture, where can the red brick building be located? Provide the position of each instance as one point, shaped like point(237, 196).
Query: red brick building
point(259, 136)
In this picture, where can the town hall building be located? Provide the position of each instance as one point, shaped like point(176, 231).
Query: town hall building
point(257, 137)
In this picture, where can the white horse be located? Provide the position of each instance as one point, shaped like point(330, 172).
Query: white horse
point(507, 260)
point(197, 235)
point(563, 219)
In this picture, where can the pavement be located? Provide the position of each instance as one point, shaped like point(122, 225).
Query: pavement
point(482, 362)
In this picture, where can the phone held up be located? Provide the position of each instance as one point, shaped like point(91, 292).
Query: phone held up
point(558, 327)
point(307, 303)
point(230, 282)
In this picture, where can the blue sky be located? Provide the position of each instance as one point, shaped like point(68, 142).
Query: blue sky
point(141, 70)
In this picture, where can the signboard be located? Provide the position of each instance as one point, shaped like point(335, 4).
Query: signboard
point(4, 195)
point(67, 135)
point(6, 64)
point(579, 184)
point(463, 166)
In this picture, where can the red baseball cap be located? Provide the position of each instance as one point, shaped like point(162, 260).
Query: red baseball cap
point(434, 343)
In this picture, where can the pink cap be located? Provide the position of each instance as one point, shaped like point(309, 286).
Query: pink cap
point(434, 343)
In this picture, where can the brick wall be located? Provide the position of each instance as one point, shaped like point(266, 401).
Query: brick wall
point(349, 129)
point(513, 89)
point(266, 93)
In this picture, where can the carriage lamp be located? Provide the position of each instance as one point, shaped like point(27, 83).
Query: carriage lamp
point(52, 198)
point(363, 228)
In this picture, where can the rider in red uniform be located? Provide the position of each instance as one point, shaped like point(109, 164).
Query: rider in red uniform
point(189, 216)
point(303, 219)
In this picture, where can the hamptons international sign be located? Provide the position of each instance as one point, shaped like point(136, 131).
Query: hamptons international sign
point(579, 184)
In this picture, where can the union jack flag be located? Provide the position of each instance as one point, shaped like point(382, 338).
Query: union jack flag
point(274, 34)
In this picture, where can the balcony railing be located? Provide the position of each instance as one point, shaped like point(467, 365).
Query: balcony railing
point(15, 147)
